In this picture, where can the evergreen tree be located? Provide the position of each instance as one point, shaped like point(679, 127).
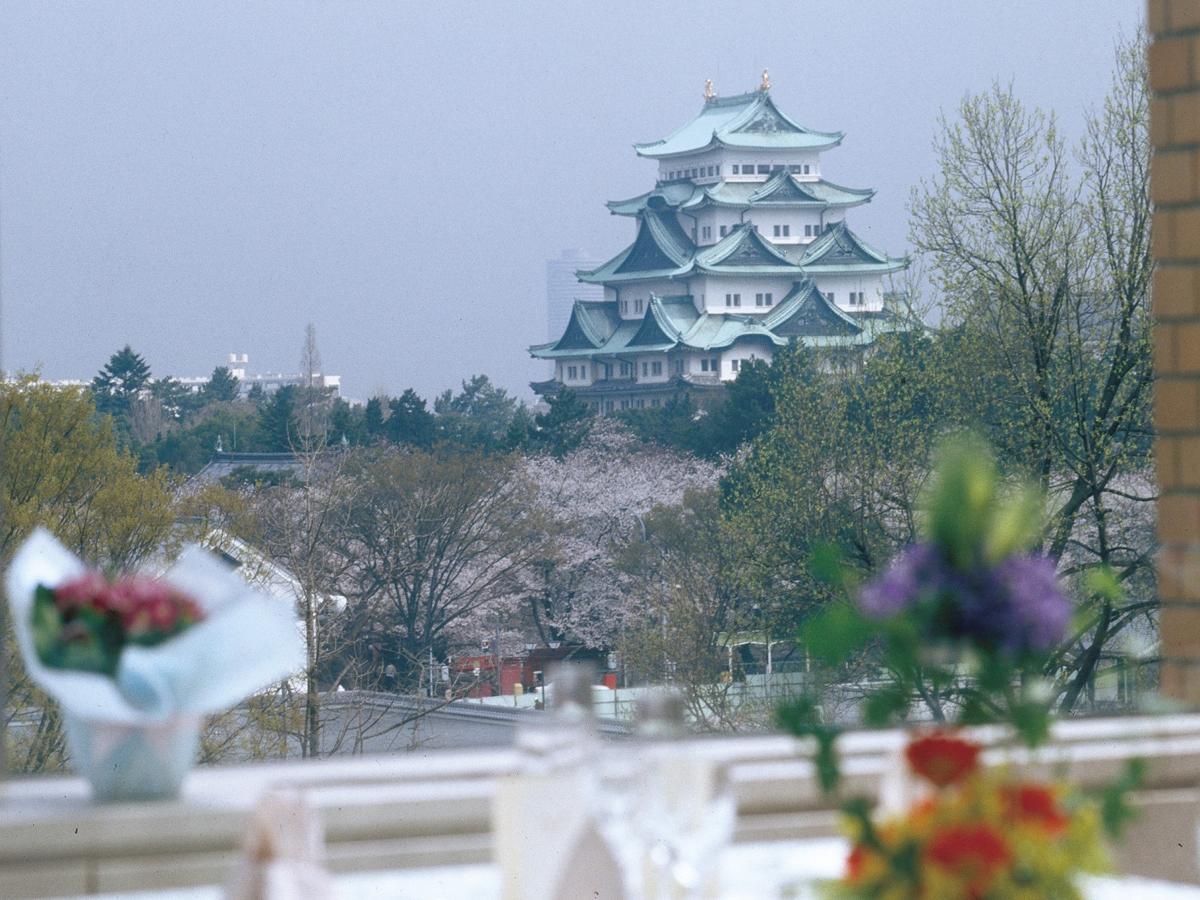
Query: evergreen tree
point(478, 417)
point(346, 423)
point(410, 422)
point(122, 379)
point(520, 430)
point(563, 427)
point(746, 412)
point(177, 401)
point(373, 418)
point(256, 394)
point(222, 386)
point(277, 420)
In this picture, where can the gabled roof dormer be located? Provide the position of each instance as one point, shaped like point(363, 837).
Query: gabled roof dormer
point(664, 323)
point(782, 187)
point(805, 312)
point(661, 249)
point(743, 248)
point(591, 325)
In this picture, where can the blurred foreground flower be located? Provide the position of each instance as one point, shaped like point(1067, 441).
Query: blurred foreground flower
point(137, 662)
point(979, 834)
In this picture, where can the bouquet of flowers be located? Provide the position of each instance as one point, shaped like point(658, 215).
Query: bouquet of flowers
point(136, 662)
point(975, 834)
point(85, 622)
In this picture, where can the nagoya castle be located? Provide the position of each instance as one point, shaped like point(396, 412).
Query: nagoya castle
point(741, 248)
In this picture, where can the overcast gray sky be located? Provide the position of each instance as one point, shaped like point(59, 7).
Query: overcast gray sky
point(198, 178)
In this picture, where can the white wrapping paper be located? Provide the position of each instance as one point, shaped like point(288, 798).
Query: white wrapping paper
point(134, 736)
point(245, 642)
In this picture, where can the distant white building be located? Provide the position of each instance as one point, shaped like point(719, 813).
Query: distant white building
point(239, 365)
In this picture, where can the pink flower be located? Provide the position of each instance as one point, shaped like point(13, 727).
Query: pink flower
point(149, 605)
point(89, 589)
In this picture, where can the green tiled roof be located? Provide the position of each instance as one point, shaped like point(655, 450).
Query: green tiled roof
point(840, 250)
point(687, 196)
point(745, 251)
point(674, 322)
point(660, 250)
point(746, 120)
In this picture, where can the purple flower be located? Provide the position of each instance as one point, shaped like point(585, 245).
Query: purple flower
point(916, 570)
point(1037, 610)
point(1016, 606)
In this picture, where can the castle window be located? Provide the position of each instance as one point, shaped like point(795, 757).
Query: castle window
point(571, 373)
point(736, 365)
point(624, 404)
point(645, 369)
point(704, 365)
point(783, 230)
point(808, 231)
point(795, 170)
point(654, 402)
point(715, 364)
point(724, 230)
point(763, 299)
point(829, 296)
point(641, 403)
point(806, 170)
point(656, 368)
point(736, 167)
point(764, 170)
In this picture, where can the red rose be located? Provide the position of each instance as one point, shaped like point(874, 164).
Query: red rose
point(89, 589)
point(1035, 803)
point(973, 852)
point(942, 758)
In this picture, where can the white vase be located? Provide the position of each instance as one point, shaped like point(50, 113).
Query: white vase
point(133, 762)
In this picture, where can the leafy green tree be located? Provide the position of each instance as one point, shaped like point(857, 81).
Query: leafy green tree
point(178, 402)
point(1052, 275)
point(564, 425)
point(746, 411)
point(277, 421)
point(124, 377)
point(675, 424)
point(410, 422)
point(520, 430)
point(256, 395)
point(346, 423)
point(373, 417)
point(61, 468)
point(477, 418)
point(222, 386)
point(188, 449)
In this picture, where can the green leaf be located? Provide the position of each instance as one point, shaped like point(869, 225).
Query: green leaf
point(960, 504)
point(46, 626)
point(835, 633)
point(882, 705)
point(826, 564)
point(1102, 582)
point(1115, 809)
point(803, 718)
point(1016, 525)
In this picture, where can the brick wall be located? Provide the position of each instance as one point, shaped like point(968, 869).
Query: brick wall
point(1175, 182)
